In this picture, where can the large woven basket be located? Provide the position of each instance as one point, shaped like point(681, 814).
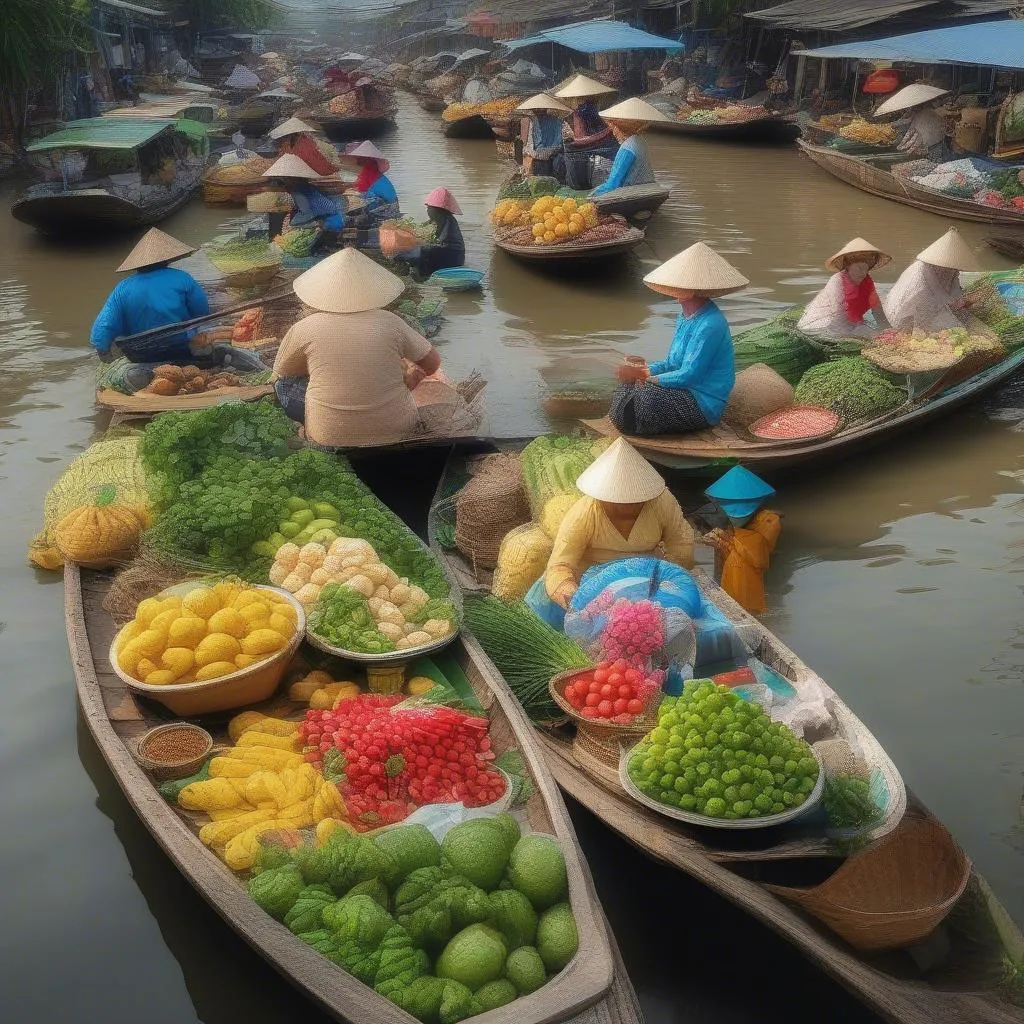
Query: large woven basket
point(492, 503)
point(894, 893)
point(758, 391)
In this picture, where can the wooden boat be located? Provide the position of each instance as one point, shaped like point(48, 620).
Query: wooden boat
point(635, 202)
point(111, 201)
point(1008, 246)
point(571, 254)
point(473, 127)
point(706, 452)
point(222, 190)
point(145, 404)
point(358, 126)
point(431, 103)
point(960, 984)
point(593, 989)
point(775, 127)
point(870, 175)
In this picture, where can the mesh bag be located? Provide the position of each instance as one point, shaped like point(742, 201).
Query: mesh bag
point(522, 559)
point(490, 504)
point(758, 391)
point(551, 466)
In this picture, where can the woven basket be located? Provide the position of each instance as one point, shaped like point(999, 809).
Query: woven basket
point(386, 679)
point(970, 366)
point(492, 503)
point(894, 893)
point(758, 391)
point(163, 770)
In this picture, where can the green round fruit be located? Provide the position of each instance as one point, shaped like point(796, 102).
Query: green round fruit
point(525, 969)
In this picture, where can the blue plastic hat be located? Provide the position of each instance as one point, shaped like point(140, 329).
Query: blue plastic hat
point(739, 493)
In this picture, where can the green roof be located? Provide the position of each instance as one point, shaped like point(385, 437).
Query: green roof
point(103, 133)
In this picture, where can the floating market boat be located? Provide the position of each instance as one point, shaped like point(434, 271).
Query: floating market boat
point(94, 171)
point(475, 126)
point(570, 253)
point(871, 174)
point(1008, 246)
point(955, 975)
point(772, 127)
point(636, 202)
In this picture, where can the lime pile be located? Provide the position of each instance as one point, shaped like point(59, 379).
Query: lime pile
point(714, 753)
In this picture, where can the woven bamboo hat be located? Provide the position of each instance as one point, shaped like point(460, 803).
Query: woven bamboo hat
point(634, 109)
point(582, 86)
point(698, 269)
point(290, 166)
point(368, 151)
point(910, 96)
point(293, 126)
point(155, 247)
point(621, 474)
point(951, 252)
point(542, 101)
point(348, 282)
point(443, 199)
point(857, 247)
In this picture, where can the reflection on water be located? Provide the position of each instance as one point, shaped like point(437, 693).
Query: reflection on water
point(898, 578)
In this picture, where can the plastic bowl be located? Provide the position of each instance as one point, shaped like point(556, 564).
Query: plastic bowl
point(457, 279)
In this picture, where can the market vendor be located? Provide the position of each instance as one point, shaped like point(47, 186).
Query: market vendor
point(348, 370)
point(626, 510)
point(296, 137)
point(448, 249)
point(373, 185)
point(688, 390)
point(591, 134)
point(925, 135)
point(156, 295)
point(632, 163)
point(928, 295)
point(838, 310)
point(313, 208)
point(542, 133)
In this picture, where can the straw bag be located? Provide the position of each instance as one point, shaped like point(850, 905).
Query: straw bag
point(894, 893)
point(492, 503)
point(758, 391)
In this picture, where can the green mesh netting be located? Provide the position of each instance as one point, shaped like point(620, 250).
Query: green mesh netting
point(778, 344)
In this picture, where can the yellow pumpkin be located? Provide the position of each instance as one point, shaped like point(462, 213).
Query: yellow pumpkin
point(98, 535)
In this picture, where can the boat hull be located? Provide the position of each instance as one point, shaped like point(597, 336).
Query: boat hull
point(769, 129)
point(566, 255)
point(474, 127)
point(92, 209)
point(347, 128)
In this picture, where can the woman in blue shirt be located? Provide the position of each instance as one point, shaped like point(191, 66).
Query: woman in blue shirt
point(374, 186)
point(632, 163)
point(688, 390)
point(313, 208)
point(542, 133)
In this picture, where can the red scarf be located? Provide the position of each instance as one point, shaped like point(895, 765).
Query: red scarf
point(367, 176)
point(858, 298)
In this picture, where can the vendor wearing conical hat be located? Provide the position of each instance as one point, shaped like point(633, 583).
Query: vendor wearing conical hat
point(448, 248)
point(688, 389)
point(632, 164)
point(375, 188)
point(626, 510)
point(926, 130)
point(156, 295)
point(928, 295)
point(347, 370)
point(591, 134)
point(541, 132)
point(838, 310)
point(296, 137)
point(313, 208)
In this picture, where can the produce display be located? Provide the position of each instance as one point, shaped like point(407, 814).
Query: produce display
point(297, 242)
point(730, 113)
point(240, 254)
point(795, 423)
point(918, 351)
point(861, 130)
point(171, 380)
point(551, 220)
point(777, 343)
point(495, 109)
point(206, 633)
point(614, 690)
point(715, 754)
point(848, 802)
point(970, 178)
point(850, 386)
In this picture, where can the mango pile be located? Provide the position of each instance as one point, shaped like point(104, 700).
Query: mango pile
point(550, 218)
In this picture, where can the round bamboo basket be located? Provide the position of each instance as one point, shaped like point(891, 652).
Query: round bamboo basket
point(164, 770)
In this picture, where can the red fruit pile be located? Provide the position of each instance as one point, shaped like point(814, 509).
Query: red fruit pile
point(394, 761)
point(613, 690)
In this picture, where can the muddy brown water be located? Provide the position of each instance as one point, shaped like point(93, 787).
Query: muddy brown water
point(898, 578)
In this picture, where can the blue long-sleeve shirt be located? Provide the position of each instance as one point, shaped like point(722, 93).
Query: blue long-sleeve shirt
point(314, 205)
point(701, 359)
point(152, 297)
point(631, 166)
point(382, 190)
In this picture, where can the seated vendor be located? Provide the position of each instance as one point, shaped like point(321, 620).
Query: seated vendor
point(313, 208)
point(156, 295)
point(838, 310)
point(928, 295)
point(688, 390)
point(632, 164)
point(347, 371)
point(296, 137)
point(380, 200)
point(542, 133)
point(626, 510)
point(925, 131)
point(448, 249)
point(591, 134)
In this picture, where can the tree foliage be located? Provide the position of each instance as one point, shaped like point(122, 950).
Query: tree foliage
point(205, 15)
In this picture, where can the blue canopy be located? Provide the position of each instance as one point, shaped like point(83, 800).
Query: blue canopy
point(597, 37)
point(991, 44)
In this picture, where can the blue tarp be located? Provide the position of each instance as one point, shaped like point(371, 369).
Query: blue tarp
point(994, 43)
point(597, 37)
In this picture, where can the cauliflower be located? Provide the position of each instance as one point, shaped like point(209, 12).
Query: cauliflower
point(389, 613)
point(321, 577)
point(293, 583)
point(383, 593)
point(400, 593)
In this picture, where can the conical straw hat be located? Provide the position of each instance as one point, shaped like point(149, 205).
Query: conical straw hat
point(348, 282)
point(634, 109)
point(368, 151)
point(155, 247)
point(951, 252)
point(293, 126)
point(542, 101)
point(443, 199)
point(582, 86)
point(697, 269)
point(910, 96)
point(290, 166)
point(621, 474)
point(857, 246)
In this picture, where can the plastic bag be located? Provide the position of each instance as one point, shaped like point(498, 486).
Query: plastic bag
point(522, 558)
point(667, 584)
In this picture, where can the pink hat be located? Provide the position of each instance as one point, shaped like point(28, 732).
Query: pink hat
point(443, 199)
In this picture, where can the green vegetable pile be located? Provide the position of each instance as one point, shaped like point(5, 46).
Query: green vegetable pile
point(988, 306)
point(525, 650)
point(297, 242)
point(851, 387)
point(552, 464)
point(445, 931)
point(714, 753)
point(778, 344)
point(848, 802)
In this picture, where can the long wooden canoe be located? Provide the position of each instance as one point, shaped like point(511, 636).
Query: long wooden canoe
point(865, 175)
point(709, 452)
point(96, 209)
point(635, 202)
point(774, 128)
point(473, 127)
point(362, 126)
point(570, 254)
point(593, 988)
point(963, 987)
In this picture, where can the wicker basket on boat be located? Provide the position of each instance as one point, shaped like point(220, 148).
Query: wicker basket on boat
point(894, 893)
point(758, 391)
point(492, 503)
point(164, 770)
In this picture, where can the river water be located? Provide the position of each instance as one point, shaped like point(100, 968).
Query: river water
point(898, 578)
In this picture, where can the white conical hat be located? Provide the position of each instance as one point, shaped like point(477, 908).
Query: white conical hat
point(857, 246)
point(241, 78)
point(634, 109)
point(155, 247)
point(698, 269)
point(910, 96)
point(293, 126)
point(951, 252)
point(348, 282)
point(581, 86)
point(290, 166)
point(621, 474)
point(542, 101)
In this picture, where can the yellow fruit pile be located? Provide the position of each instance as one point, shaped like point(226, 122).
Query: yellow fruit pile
point(557, 220)
point(860, 130)
point(510, 213)
point(207, 633)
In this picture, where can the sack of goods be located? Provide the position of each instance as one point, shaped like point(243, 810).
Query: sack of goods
point(758, 391)
point(491, 504)
point(860, 130)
